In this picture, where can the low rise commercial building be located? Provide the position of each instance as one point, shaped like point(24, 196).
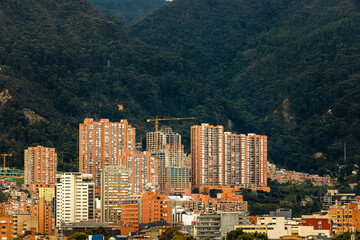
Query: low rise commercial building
point(281, 228)
point(281, 212)
point(24, 222)
point(68, 229)
point(208, 226)
point(274, 227)
point(146, 209)
point(333, 197)
point(344, 217)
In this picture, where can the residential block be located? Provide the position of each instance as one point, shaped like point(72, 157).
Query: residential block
point(39, 166)
point(225, 159)
point(103, 144)
point(75, 198)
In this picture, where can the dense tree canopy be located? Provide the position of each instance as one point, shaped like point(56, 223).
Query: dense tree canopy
point(301, 198)
point(240, 235)
point(64, 61)
point(287, 69)
point(92, 231)
point(173, 234)
point(346, 236)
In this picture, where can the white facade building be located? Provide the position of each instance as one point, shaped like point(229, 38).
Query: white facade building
point(75, 198)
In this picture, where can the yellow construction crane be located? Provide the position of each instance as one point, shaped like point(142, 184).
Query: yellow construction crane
point(5, 155)
point(156, 120)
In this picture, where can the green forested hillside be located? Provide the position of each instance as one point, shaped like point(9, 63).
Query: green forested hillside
point(61, 61)
point(289, 69)
point(284, 68)
point(127, 10)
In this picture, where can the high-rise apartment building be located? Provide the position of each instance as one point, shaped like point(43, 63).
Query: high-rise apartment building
point(178, 181)
point(75, 198)
point(161, 171)
point(257, 145)
point(170, 161)
point(225, 159)
point(115, 186)
point(103, 144)
point(207, 155)
point(40, 166)
point(42, 211)
point(143, 171)
point(174, 154)
point(165, 136)
point(235, 159)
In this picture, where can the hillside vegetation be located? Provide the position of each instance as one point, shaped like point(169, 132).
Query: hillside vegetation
point(62, 61)
point(289, 69)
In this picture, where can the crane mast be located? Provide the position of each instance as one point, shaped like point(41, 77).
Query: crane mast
point(5, 155)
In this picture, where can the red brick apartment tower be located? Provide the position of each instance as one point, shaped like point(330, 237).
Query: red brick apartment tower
point(207, 155)
point(40, 166)
point(257, 160)
point(235, 159)
point(42, 211)
point(227, 159)
point(170, 154)
point(102, 144)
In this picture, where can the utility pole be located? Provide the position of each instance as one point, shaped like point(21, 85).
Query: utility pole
point(5, 155)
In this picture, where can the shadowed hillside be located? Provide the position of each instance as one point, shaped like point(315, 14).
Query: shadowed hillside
point(62, 61)
point(284, 68)
point(288, 69)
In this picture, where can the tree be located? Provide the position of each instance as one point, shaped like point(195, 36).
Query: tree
point(98, 231)
point(78, 236)
point(214, 192)
point(170, 233)
point(4, 197)
point(232, 235)
point(178, 237)
point(238, 234)
point(195, 190)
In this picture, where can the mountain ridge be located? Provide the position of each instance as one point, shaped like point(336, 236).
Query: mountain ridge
point(285, 80)
point(64, 61)
point(286, 69)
